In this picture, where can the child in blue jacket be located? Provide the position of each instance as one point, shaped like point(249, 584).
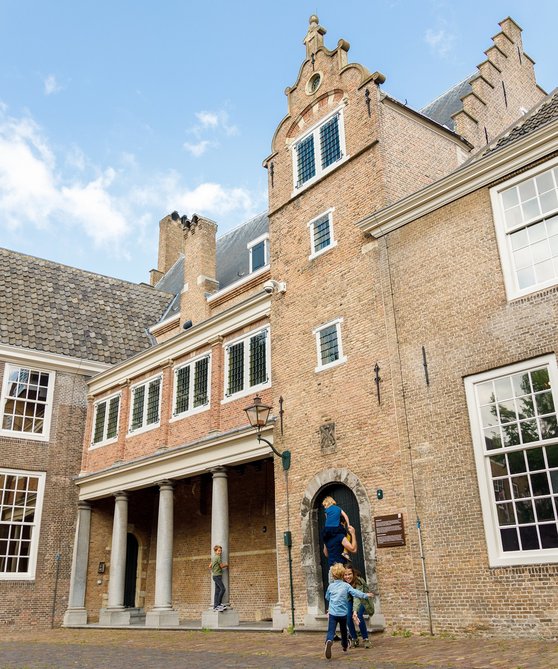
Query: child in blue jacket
point(337, 596)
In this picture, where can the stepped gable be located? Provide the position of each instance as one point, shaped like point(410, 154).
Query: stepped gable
point(55, 308)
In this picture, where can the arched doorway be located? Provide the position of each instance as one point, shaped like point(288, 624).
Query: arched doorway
point(346, 499)
point(130, 576)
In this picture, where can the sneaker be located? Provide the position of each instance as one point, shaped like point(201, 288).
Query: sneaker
point(356, 643)
point(327, 651)
point(366, 643)
point(345, 649)
point(336, 637)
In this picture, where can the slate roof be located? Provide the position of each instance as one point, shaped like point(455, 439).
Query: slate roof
point(232, 260)
point(54, 308)
point(542, 114)
point(443, 107)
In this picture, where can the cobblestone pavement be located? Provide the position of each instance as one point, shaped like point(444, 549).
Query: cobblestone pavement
point(149, 649)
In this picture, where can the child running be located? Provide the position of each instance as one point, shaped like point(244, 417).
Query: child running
point(217, 567)
point(337, 595)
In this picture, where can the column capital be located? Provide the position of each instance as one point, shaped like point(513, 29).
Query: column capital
point(83, 505)
point(120, 494)
point(219, 472)
point(165, 484)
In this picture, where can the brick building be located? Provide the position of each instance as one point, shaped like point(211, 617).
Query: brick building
point(59, 327)
point(403, 275)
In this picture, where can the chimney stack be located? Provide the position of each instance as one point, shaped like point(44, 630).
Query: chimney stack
point(199, 235)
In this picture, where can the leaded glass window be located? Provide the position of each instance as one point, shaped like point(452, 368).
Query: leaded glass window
point(248, 363)
point(321, 233)
point(319, 150)
point(192, 386)
point(146, 401)
point(328, 343)
point(329, 142)
point(105, 422)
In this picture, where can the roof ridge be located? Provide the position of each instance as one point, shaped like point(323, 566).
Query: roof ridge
point(451, 88)
point(240, 225)
point(54, 263)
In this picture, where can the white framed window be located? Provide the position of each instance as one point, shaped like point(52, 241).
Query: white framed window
point(329, 346)
point(145, 404)
point(526, 217)
point(515, 438)
point(21, 501)
point(26, 402)
point(106, 416)
point(192, 382)
point(321, 234)
point(259, 252)
point(247, 364)
point(320, 150)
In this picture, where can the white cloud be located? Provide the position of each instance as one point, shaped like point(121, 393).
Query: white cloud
point(34, 192)
point(198, 149)
point(51, 85)
point(440, 41)
point(208, 119)
point(214, 123)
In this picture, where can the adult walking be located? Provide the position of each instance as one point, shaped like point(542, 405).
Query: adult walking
point(359, 607)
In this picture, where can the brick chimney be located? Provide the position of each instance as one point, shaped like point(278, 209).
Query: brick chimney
point(199, 236)
point(170, 246)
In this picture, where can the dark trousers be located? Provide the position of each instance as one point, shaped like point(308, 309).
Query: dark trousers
point(332, 626)
point(219, 590)
point(361, 623)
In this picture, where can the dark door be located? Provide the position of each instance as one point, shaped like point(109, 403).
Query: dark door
point(348, 502)
point(131, 571)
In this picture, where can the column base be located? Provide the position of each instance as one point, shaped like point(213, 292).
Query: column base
point(120, 616)
point(75, 618)
point(214, 619)
point(162, 618)
point(281, 621)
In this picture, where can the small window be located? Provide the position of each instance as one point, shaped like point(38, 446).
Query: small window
point(526, 217)
point(26, 402)
point(105, 421)
point(259, 252)
point(328, 344)
point(21, 500)
point(515, 436)
point(321, 234)
point(146, 401)
point(191, 387)
point(319, 151)
point(247, 364)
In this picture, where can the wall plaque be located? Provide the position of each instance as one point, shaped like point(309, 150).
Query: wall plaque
point(389, 530)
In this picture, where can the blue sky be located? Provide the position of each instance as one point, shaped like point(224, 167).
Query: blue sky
point(115, 113)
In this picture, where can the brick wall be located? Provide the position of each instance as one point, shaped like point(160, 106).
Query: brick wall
point(43, 601)
point(253, 581)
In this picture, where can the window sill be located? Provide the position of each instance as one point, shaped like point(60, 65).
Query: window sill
point(187, 414)
point(142, 430)
point(100, 444)
point(28, 436)
point(323, 368)
point(322, 251)
point(245, 393)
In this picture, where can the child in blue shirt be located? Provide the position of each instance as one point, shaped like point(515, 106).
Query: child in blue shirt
point(337, 596)
point(336, 520)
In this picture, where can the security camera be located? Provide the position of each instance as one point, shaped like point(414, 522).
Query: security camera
point(273, 286)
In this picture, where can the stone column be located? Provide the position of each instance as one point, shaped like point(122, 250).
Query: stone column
point(162, 613)
point(220, 535)
point(115, 613)
point(76, 613)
